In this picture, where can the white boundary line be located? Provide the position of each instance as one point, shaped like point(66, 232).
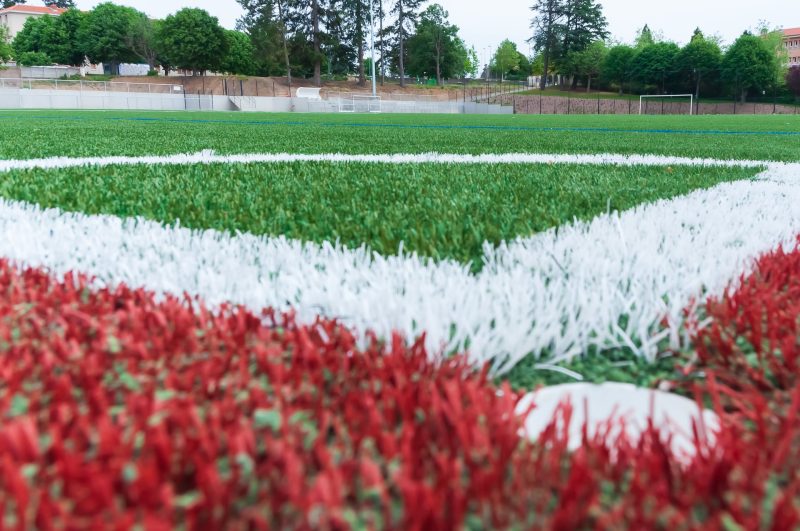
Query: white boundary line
point(561, 291)
point(209, 157)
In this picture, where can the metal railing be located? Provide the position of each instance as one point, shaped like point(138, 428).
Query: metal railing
point(88, 86)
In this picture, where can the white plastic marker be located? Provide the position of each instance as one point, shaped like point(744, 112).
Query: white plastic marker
point(614, 408)
point(620, 280)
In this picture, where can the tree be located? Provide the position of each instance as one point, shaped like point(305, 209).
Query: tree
point(617, 65)
point(749, 64)
point(436, 47)
point(545, 37)
point(773, 39)
point(505, 59)
point(472, 63)
point(6, 51)
point(793, 81)
point(644, 38)
point(589, 62)
point(405, 12)
point(142, 38)
point(267, 22)
point(57, 37)
point(700, 59)
point(239, 59)
point(34, 59)
point(193, 40)
point(104, 34)
point(9, 3)
point(654, 64)
point(582, 24)
point(357, 18)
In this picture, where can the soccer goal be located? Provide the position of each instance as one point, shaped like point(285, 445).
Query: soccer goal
point(669, 104)
point(359, 103)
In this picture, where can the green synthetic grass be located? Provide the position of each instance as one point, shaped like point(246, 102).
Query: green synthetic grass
point(439, 211)
point(29, 134)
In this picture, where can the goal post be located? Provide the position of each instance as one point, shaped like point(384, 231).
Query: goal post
point(362, 103)
point(643, 98)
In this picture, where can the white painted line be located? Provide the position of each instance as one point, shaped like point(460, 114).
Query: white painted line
point(614, 281)
point(209, 157)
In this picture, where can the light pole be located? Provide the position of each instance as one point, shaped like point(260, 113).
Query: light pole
point(372, 45)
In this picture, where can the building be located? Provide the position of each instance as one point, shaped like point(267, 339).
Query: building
point(791, 41)
point(14, 17)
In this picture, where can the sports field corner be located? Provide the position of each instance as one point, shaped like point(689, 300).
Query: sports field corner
point(326, 321)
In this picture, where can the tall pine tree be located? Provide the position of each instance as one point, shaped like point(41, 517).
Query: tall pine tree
point(406, 13)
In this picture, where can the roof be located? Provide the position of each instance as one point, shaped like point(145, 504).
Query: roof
point(32, 10)
point(791, 32)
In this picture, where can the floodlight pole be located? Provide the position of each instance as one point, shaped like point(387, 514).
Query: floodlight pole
point(372, 45)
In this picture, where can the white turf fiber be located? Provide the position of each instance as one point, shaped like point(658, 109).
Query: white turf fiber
point(621, 280)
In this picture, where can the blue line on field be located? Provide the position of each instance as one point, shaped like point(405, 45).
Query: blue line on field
point(413, 126)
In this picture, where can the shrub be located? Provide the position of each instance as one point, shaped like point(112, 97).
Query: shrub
point(34, 59)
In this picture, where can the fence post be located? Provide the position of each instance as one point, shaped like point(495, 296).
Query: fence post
point(598, 103)
point(540, 104)
point(569, 103)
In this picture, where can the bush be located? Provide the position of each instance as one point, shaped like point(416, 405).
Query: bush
point(34, 59)
point(152, 73)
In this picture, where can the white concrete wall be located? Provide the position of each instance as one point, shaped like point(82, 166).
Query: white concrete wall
point(15, 98)
point(48, 72)
point(68, 99)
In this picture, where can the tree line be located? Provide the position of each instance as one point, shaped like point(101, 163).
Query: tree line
point(571, 40)
point(307, 38)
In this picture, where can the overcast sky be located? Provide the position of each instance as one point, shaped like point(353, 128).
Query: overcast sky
point(485, 23)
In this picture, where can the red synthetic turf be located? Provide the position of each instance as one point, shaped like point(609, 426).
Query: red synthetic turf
point(118, 409)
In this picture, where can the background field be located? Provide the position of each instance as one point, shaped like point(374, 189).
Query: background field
point(49, 133)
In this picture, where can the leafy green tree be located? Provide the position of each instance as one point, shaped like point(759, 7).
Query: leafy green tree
point(699, 60)
point(55, 36)
point(9, 3)
point(104, 34)
point(6, 52)
point(617, 67)
point(505, 59)
point(472, 63)
point(773, 39)
point(436, 47)
point(588, 63)
point(193, 40)
point(749, 64)
point(656, 64)
point(63, 4)
point(239, 59)
point(142, 38)
point(34, 59)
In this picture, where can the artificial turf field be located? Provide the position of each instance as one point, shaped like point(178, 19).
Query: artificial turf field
point(576, 266)
point(444, 212)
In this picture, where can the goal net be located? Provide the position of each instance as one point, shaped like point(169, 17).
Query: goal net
point(359, 103)
point(667, 104)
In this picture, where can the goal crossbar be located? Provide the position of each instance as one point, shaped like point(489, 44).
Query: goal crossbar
point(690, 96)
